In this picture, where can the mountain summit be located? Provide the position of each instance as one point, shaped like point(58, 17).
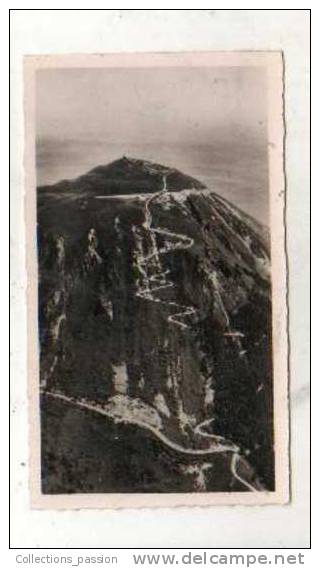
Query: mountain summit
point(126, 176)
point(154, 312)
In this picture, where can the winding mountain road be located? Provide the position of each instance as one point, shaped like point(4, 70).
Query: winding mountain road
point(174, 241)
point(219, 444)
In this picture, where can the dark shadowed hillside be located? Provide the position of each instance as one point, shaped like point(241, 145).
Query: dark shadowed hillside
point(155, 334)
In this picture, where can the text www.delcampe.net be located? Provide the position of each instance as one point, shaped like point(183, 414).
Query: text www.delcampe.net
point(184, 559)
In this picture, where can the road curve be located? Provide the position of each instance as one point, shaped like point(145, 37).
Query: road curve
point(220, 445)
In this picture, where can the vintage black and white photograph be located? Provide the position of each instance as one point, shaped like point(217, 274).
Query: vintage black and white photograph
point(156, 203)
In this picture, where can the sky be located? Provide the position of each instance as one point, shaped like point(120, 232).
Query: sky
point(208, 122)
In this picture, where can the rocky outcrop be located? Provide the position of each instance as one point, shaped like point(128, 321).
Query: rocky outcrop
point(155, 318)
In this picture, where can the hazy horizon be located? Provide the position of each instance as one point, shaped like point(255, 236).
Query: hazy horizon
point(210, 123)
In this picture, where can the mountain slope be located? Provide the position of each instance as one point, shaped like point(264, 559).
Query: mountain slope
point(154, 309)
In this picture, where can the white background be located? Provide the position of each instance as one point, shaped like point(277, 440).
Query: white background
point(44, 31)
